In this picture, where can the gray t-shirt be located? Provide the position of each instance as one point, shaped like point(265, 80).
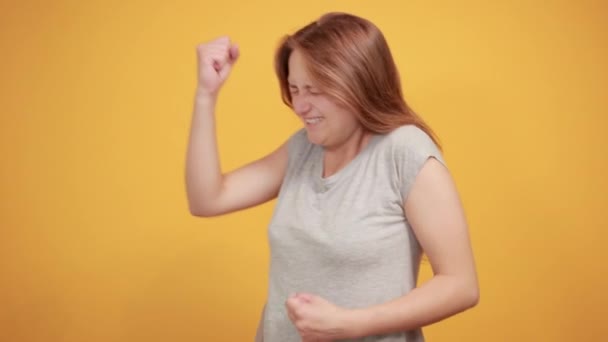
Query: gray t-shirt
point(345, 237)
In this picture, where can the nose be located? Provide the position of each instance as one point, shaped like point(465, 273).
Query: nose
point(300, 105)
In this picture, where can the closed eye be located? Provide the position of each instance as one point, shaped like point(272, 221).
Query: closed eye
point(293, 90)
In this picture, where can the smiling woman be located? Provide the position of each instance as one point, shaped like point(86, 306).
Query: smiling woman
point(347, 58)
point(327, 122)
point(362, 191)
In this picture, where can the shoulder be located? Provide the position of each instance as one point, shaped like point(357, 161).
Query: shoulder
point(410, 137)
point(410, 141)
point(410, 148)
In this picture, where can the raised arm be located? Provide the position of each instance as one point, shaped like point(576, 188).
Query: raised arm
point(211, 192)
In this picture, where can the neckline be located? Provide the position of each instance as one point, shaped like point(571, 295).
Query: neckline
point(320, 163)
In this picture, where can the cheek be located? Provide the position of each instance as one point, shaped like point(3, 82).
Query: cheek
point(329, 108)
point(335, 113)
point(347, 118)
point(324, 102)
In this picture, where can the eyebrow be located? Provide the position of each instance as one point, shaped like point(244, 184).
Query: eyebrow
point(305, 87)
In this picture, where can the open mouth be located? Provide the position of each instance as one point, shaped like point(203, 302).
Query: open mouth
point(314, 120)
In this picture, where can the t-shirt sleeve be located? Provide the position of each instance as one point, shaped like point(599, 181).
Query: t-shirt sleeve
point(412, 147)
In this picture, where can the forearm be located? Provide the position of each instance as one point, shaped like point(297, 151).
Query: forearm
point(203, 171)
point(439, 298)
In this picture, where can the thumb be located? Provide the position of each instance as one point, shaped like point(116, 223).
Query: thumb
point(233, 53)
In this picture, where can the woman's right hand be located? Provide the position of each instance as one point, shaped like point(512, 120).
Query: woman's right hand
point(215, 60)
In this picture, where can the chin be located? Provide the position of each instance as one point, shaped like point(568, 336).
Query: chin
point(313, 139)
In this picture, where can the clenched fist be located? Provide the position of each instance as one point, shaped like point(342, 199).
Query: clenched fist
point(215, 60)
point(316, 319)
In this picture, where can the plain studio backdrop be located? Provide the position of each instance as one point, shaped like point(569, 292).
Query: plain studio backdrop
point(96, 241)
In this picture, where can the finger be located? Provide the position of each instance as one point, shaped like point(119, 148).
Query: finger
point(220, 40)
point(225, 60)
point(218, 64)
point(217, 60)
point(204, 51)
point(223, 49)
point(214, 50)
point(215, 54)
point(233, 53)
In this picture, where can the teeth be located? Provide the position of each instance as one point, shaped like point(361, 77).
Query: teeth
point(313, 120)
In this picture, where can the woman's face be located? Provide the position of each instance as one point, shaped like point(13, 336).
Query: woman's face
point(326, 122)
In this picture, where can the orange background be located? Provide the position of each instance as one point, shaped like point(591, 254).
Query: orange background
point(96, 242)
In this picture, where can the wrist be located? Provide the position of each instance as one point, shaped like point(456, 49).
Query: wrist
point(205, 96)
point(355, 323)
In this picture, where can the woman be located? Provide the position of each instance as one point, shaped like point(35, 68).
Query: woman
point(362, 191)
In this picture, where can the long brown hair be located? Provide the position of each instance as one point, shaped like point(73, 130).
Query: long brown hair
point(350, 60)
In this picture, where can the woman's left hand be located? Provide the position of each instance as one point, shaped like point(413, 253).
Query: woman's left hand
point(316, 319)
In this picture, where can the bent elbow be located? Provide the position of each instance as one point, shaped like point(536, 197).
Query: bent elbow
point(472, 295)
point(198, 210)
point(198, 213)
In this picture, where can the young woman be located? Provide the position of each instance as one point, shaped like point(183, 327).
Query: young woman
point(362, 191)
